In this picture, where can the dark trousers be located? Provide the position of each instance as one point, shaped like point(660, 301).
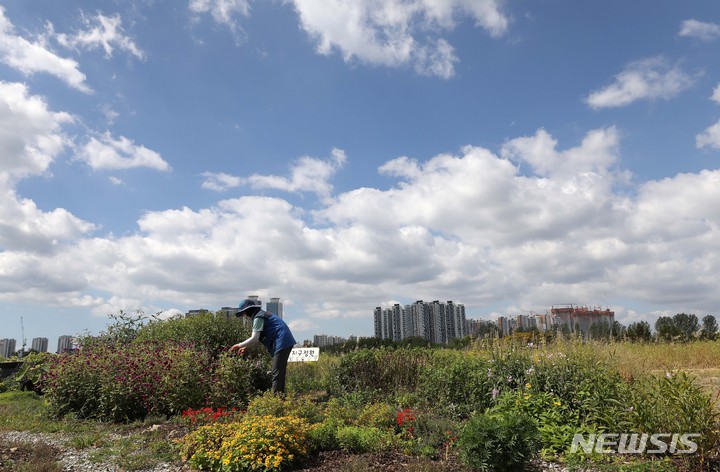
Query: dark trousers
point(279, 367)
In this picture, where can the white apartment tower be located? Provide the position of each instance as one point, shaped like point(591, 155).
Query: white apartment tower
point(39, 344)
point(7, 347)
point(64, 344)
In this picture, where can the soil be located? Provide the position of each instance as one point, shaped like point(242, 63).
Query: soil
point(389, 461)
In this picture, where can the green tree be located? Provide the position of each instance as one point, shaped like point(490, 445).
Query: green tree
point(709, 328)
point(639, 331)
point(687, 324)
point(666, 329)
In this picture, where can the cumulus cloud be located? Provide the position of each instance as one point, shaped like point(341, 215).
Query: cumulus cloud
point(648, 79)
point(31, 135)
point(700, 30)
point(397, 32)
point(308, 174)
point(101, 31)
point(716, 94)
point(710, 137)
point(31, 138)
point(532, 225)
point(32, 57)
point(108, 153)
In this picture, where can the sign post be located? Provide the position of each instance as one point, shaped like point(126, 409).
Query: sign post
point(304, 354)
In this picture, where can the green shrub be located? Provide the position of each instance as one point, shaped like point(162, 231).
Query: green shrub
point(382, 372)
point(556, 421)
point(587, 387)
point(211, 332)
point(455, 385)
point(498, 442)
point(236, 379)
point(271, 404)
point(675, 403)
point(433, 435)
point(323, 436)
point(34, 366)
point(311, 377)
point(361, 439)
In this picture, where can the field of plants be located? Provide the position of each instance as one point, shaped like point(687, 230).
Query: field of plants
point(167, 392)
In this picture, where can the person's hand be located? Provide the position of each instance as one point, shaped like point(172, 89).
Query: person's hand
point(236, 347)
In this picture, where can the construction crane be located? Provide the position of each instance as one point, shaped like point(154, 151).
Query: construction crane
point(22, 330)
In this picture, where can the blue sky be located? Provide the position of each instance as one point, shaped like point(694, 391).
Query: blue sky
point(347, 154)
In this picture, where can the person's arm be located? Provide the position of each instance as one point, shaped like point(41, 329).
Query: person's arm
point(258, 326)
point(251, 341)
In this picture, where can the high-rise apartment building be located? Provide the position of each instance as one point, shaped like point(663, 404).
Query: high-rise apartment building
point(7, 347)
point(434, 321)
point(64, 344)
point(275, 306)
point(39, 344)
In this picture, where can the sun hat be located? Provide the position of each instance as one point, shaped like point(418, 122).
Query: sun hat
point(247, 304)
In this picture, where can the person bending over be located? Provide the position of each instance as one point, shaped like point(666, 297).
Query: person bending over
point(270, 330)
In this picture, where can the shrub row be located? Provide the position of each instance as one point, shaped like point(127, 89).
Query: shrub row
point(130, 382)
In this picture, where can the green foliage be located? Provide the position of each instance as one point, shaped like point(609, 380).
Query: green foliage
point(498, 442)
point(361, 439)
point(432, 435)
point(35, 365)
point(456, 385)
point(272, 404)
point(255, 443)
point(674, 403)
point(709, 328)
point(212, 332)
point(380, 371)
point(310, 377)
point(590, 388)
point(638, 331)
point(236, 379)
point(557, 422)
point(681, 327)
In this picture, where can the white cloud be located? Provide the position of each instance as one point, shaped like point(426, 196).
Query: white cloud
point(31, 138)
point(222, 11)
point(220, 182)
point(107, 153)
point(716, 94)
point(648, 79)
point(32, 57)
point(537, 225)
point(24, 227)
point(700, 30)
point(391, 33)
point(309, 174)
point(31, 135)
point(104, 32)
point(710, 137)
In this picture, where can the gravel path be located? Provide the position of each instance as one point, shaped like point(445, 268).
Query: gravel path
point(74, 460)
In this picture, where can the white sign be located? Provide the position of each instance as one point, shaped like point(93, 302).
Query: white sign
point(304, 354)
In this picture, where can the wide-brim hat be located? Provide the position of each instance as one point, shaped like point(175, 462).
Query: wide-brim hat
point(247, 304)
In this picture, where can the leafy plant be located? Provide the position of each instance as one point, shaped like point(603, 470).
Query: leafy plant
point(675, 403)
point(498, 442)
point(361, 439)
